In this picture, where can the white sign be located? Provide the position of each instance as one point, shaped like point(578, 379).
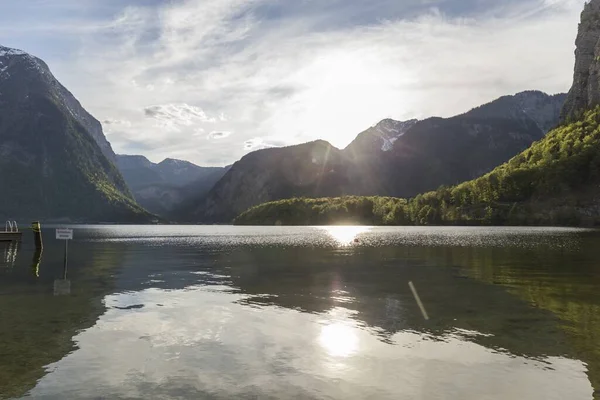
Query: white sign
point(64, 234)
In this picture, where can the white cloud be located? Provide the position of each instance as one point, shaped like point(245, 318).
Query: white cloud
point(316, 75)
point(110, 121)
point(218, 135)
point(260, 143)
point(177, 114)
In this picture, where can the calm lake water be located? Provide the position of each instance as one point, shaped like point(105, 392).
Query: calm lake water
point(222, 312)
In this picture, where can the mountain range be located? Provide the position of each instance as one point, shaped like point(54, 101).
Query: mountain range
point(58, 164)
point(162, 188)
point(393, 158)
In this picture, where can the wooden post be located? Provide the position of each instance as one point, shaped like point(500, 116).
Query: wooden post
point(35, 263)
point(37, 235)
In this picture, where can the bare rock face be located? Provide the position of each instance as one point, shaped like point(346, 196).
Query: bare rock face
point(585, 93)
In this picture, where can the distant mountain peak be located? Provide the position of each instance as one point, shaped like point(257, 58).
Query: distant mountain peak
point(392, 130)
point(7, 51)
point(531, 106)
point(10, 57)
point(162, 187)
point(382, 136)
point(125, 161)
point(173, 162)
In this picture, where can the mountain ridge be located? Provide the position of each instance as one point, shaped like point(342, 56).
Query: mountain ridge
point(436, 151)
point(163, 187)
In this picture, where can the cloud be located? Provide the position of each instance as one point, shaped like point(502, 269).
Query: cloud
point(110, 121)
point(218, 135)
point(260, 143)
point(289, 72)
point(177, 114)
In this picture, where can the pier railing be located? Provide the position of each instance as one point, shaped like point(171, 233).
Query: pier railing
point(11, 226)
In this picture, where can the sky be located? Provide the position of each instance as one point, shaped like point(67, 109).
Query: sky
point(210, 80)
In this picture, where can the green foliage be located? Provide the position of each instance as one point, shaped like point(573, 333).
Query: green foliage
point(551, 183)
point(348, 210)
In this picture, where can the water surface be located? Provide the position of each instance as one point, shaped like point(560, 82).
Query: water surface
point(302, 312)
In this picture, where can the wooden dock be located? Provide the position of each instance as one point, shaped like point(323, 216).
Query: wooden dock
point(11, 236)
point(11, 232)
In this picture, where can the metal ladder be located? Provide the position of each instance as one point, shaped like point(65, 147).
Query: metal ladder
point(11, 226)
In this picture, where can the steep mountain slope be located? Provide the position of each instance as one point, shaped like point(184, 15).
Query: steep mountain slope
point(54, 159)
point(164, 187)
point(393, 158)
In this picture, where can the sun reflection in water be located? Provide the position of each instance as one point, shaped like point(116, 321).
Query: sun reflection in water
point(345, 235)
point(339, 335)
point(339, 339)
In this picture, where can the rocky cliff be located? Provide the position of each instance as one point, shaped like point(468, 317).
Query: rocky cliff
point(585, 92)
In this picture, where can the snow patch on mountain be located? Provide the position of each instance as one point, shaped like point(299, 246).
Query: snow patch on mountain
point(6, 51)
point(390, 131)
point(33, 62)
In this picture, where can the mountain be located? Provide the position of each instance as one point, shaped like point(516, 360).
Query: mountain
point(393, 158)
point(310, 169)
point(554, 182)
point(55, 162)
point(162, 188)
point(381, 137)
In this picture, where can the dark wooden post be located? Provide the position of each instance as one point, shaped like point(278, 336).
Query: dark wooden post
point(37, 235)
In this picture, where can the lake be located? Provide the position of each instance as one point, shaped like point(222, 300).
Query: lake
point(221, 312)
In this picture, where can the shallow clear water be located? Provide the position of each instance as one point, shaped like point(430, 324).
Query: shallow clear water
point(318, 313)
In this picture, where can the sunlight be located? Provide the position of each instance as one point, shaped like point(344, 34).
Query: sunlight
point(345, 235)
point(339, 339)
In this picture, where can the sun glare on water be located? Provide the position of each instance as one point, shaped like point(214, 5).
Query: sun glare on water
point(345, 235)
point(339, 339)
